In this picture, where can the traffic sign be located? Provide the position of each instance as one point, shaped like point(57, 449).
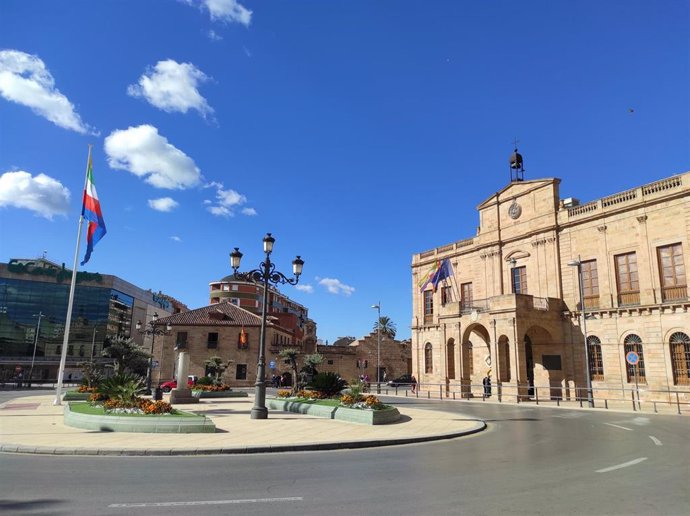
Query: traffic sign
point(155, 364)
point(272, 364)
point(632, 358)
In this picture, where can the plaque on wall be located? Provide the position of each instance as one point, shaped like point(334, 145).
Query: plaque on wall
point(515, 210)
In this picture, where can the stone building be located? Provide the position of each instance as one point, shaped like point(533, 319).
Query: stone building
point(512, 304)
point(232, 333)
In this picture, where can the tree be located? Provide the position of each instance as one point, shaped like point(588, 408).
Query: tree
point(310, 363)
point(128, 356)
point(386, 325)
point(290, 355)
point(215, 368)
point(91, 373)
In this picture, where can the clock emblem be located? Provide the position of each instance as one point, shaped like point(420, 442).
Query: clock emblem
point(515, 210)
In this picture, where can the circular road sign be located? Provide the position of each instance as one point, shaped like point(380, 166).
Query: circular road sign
point(632, 358)
point(272, 364)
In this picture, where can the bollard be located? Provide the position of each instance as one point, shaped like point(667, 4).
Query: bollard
point(536, 394)
point(654, 407)
point(606, 403)
point(428, 395)
point(633, 400)
point(440, 392)
point(558, 402)
point(678, 402)
point(453, 395)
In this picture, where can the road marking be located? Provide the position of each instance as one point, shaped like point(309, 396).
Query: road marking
point(618, 426)
point(624, 465)
point(205, 502)
point(655, 440)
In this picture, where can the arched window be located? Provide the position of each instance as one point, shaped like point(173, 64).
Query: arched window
point(680, 358)
point(634, 343)
point(428, 360)
point(596, 364)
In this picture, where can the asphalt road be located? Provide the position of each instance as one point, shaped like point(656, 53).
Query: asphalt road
point(531, 460)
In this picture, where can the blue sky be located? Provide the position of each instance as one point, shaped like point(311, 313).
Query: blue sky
point(358, 133)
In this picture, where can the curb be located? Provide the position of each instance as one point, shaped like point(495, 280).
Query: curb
point(345, 445)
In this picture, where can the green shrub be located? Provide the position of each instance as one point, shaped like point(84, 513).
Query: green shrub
point(328, 384)
point(122, 388)
point(205, 380)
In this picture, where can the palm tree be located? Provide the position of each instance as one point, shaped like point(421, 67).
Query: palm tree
point(128, 356)
point(290, 355)
point(386, 325)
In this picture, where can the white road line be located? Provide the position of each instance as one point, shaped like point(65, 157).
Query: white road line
point(655, 440)
point(618, 426)
point(204, 502)
point(624, 465)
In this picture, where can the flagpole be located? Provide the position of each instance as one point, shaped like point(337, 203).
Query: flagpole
point(68, 320)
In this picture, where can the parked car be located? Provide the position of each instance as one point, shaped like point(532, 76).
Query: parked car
point(171, 384)
point(405, 379)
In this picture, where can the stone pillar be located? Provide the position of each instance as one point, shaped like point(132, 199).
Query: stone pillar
point(182, 393)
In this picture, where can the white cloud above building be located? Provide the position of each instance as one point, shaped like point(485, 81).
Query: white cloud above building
point(146, 154)
point(25, 80)
point(172, 87)
point(164, 204)
point(228, 11)
point(335, 286)
point(42, 194)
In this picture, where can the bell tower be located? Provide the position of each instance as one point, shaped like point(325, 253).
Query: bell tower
point(517, 169)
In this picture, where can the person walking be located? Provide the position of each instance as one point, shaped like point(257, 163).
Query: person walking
point(413, 382)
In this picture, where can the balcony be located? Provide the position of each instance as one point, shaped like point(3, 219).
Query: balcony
point(669, 294)
point(629, 298)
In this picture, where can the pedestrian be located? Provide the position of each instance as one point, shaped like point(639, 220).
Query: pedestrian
point(385, 376)
point(486, 382)
point(413, 381)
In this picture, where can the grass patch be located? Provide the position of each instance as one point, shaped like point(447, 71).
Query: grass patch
point(97, 410)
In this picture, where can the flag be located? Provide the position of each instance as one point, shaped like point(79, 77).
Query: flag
point(243, 339)
point(443, 272)
point(426, 278)
point(91, 211)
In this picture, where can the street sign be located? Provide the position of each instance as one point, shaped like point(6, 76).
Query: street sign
point(272, 364)
point(487, 359)
point(155, 364)
point(632, 358)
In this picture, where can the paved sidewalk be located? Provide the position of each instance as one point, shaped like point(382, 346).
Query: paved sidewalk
point(34, 425)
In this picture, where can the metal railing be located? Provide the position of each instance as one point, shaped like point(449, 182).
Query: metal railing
point(604, 398)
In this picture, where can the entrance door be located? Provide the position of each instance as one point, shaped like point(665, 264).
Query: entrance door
point(529, 363)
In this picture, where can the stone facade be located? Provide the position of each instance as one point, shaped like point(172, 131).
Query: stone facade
point(512, 305)
point(215, 330)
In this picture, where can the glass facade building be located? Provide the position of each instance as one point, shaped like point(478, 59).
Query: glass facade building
point(104, 307)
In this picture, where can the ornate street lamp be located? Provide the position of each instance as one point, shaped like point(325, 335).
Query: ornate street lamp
point(153, 331)
point(265, 274)
point(378, 347)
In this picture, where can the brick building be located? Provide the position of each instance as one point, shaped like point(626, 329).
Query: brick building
point(512, 303)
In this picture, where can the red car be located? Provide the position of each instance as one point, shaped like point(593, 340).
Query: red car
point(171, 384)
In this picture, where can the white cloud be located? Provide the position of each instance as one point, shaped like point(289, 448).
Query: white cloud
point(175, 238)
point(143, 152)
point(24, 79)
point(305, 288)
point(226, 201)
point(41, 194)
point(172, 86)
point(230, 11)
point(214, 36)
point(163, 204)
point(335, 286)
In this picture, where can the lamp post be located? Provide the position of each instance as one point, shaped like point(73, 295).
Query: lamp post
point(265, 274)
point(93, 342)
point(40, 316)
point(378, 347)
point(578, 263)
point(153, 331)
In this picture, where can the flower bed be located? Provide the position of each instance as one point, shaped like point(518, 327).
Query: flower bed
point(90, 417)
point(329, 409)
